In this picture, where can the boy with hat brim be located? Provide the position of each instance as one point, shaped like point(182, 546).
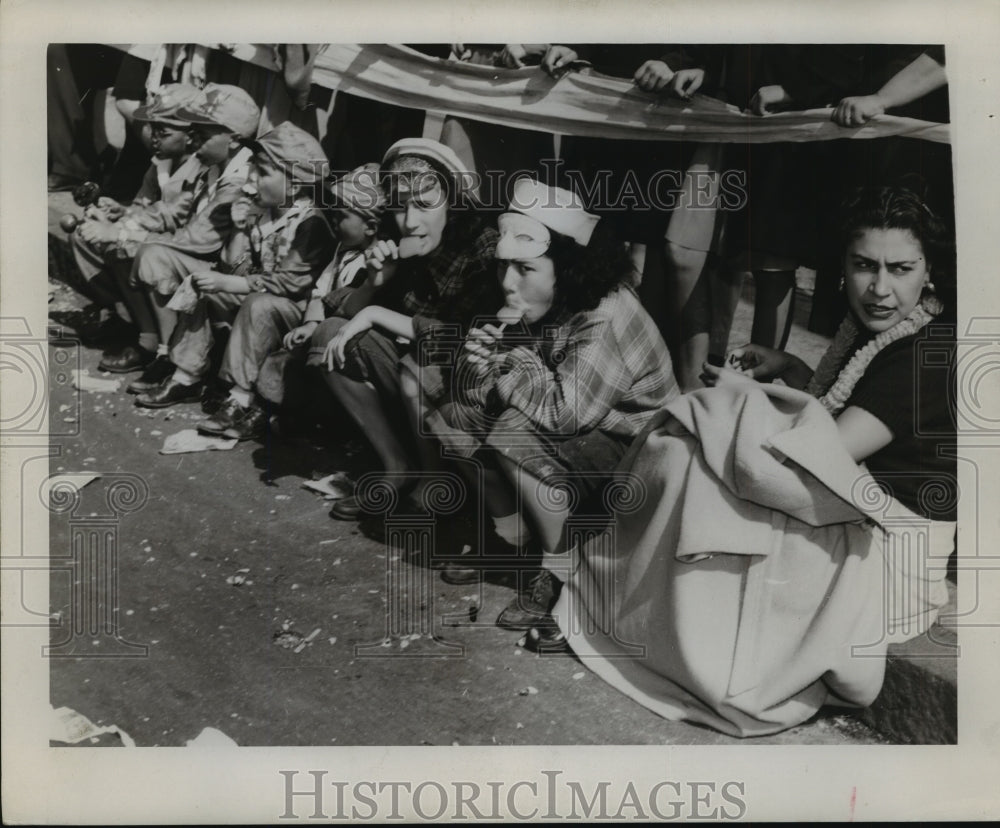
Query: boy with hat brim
point(105, 243)
point(357, 205)
point(222, 120)
point(283, 249)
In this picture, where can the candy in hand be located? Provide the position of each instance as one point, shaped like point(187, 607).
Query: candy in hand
point(408, 247)
point(87, 193)
point(508, 316)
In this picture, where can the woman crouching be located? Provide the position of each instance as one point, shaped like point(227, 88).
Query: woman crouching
point(549, 394)
point(766, 572)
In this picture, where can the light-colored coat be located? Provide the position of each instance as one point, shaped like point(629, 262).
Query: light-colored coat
point(752, 582)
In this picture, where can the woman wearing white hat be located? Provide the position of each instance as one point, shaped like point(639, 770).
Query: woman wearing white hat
point(549, 399)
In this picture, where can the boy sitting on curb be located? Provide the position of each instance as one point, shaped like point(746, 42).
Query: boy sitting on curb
point(265, 293)
point(357, 204)
point(107, 240)
point(221, 121)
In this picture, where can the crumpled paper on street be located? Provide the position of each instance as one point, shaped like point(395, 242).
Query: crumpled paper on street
point(66, 725)
point(189, 440)
point(82, 381)
point(185, 298)
point(332, 487)
point(210, 737)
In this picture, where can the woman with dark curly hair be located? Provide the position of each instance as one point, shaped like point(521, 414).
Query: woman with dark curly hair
point(765, 571)
point(549, 395)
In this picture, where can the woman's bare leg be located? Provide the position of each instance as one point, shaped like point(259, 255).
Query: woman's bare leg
point(773, 304)
point(541, 502)
point(690, 312)
point(364, 406)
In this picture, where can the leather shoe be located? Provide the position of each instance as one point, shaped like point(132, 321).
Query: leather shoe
point(455, 574)
point(131, 358)
point(351, 508)
point(170, 393)
point(532, 606)
point(545, 638)
point(153, 376)
point(346, 508)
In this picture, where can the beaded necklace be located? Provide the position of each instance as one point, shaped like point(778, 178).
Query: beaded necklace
point(834, 385)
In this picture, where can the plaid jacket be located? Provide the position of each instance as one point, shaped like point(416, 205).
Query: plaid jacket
point(607, 369)
point(450, 287)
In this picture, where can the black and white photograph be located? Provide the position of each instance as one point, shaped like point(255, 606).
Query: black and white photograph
point(419, 428)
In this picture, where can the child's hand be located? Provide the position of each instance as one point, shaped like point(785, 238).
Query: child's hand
point(334, 356)
point(182, 205)
point(111, 208)
point(481, 348)
point(769, 99)
point(244, 211)
point(296, 336)
point(95, 231)
point(380, 260)
point(653, 76)
point(208, 281)
point(857, 110)
point(686, 82)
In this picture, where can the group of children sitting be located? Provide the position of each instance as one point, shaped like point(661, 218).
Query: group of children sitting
point(512, 352)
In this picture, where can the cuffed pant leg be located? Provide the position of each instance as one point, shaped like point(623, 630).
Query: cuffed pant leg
point(192, 339)
point(261, 324)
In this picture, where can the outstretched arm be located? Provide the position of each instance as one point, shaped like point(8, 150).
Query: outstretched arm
point(913, 81)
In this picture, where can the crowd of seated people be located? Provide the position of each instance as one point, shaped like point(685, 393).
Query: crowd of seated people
point(571, 327)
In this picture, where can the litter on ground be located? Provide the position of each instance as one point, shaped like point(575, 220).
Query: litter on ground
point(189, 440)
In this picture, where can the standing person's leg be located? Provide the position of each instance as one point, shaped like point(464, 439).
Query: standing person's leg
point(72, 157)
point(774, 305)
point(692, 232)
point(690, 312)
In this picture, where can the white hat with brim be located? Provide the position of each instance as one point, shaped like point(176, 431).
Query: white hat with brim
point(546, 208)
